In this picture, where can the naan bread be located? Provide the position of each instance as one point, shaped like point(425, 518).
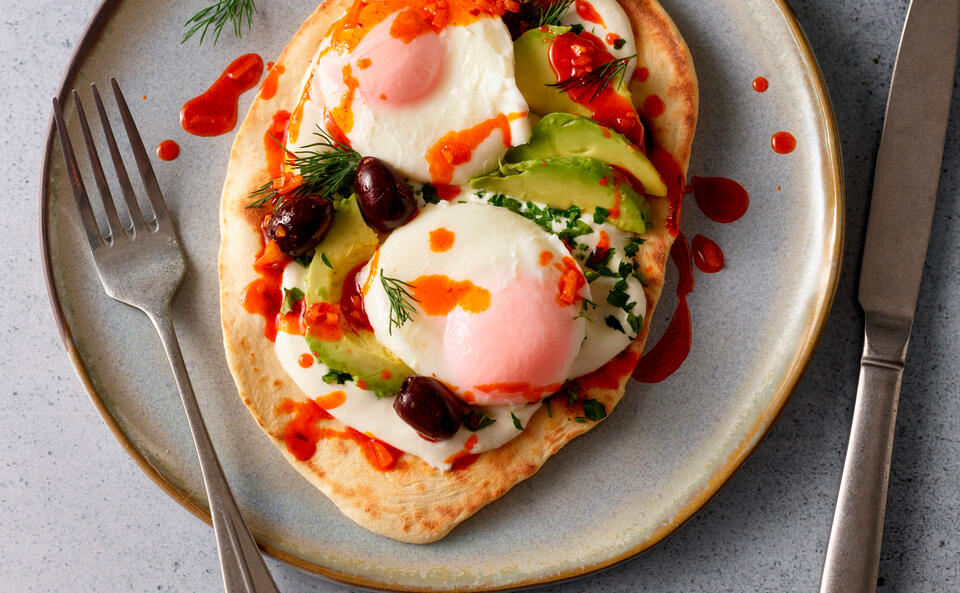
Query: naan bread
point(415, 502)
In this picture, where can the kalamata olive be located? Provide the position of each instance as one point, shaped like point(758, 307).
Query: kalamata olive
point(429, 407)
point(384, 198)
point(299, 224)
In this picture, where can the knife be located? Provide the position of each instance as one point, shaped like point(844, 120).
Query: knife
point(898, 230)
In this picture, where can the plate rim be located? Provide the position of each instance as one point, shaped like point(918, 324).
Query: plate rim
point(766, 418)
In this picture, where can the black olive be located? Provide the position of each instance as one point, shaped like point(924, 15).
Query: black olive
point(384, 198)
point(429, 407)
point(299, 224)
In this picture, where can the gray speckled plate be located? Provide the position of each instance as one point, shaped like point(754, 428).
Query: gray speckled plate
point(608, 495)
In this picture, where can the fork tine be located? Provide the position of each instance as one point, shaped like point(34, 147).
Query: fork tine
point(88, 220)
point(106, 197)
point(133, 209)
point(140, 154)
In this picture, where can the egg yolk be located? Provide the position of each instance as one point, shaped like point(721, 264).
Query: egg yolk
point(518, 350)
point(398, 70)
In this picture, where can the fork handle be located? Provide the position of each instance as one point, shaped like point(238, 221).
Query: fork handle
point(244, 570)
point(853, 552)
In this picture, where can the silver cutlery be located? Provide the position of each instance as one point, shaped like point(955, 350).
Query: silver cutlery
point(901, 214)
point(140, 263)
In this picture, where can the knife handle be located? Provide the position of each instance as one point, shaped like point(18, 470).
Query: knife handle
point(853, 552)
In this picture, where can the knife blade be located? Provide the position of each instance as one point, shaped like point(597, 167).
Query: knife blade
point(898, 231)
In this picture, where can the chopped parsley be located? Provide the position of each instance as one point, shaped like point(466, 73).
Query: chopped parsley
point(305, 259)
point(475, 420)
point(600, 214)
point(516, 421)
point(614, 323)
point(594, 410)
point(326, 262)
point(291, 296)
point(336, 377)
point(429, 194)
point(580, 419)
point(619, 43)
point(576, 29)
point(572, 389)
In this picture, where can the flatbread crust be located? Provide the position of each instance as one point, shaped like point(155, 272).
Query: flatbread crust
point(415, 502)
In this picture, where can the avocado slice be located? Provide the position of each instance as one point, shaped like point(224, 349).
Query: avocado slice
point(531, 58)
point(534, 73)
point(363, 357)
point(565, 134)
point(561, 182)
point(349, 243)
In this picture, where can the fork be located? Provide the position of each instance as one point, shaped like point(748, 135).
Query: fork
point(141, 264)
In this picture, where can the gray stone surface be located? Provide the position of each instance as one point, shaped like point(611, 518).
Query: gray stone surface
point(76, 514)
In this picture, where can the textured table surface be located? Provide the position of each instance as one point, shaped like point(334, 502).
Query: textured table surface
point(76, 514)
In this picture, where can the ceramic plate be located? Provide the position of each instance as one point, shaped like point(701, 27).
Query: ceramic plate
point(608, 495)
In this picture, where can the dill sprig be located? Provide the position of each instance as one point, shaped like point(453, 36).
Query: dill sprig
point(535, 13)
point(217, 14)
point(401, 301)
point(550, 14)
point(597, 79)
point(327, 166)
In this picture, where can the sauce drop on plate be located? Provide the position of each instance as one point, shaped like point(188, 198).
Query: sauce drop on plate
point(168, 150)
point(760, 84)
point(719, 198)
point(215, 111)
point(707, 255)
point(783, 143)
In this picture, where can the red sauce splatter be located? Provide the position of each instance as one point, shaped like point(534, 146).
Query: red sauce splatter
point(573, 56)
point(587, 12)
point(707, 255)
point(464, 461)
point(653, 107)
point(447, 192)
point(215, 111)
point(641, 74)
point(609, 375)
point(335, 132)
point(351, 302)
point(783, 143)
point(273, 141)
point(168, 150)
point(669, 353)
point(720, 199)
point(268, 89)
point(611, 38)
point(302, 433)
point(263, 296)
point(467, 447)
point(456, 148)
point(322, 321)
point(676, 184)
point(305, 360)
point(760, 84)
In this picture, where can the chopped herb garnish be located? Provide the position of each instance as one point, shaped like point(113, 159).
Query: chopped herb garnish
point(336, 377)
point(429, 194)
point(635, 322)
point(291, 296)
point(614, 323)
point(594, 410)
point(631, 249)
point(549, 409)
point(595, 81)
point(573, 390)
point(217, 15)
point(326, 166)
point(326, 262)
point(580, 419)
point(516, 421)
point(618, 298)
point(401, 301)
point(305, 259)
point(576, 29)
point(600, 215)
point(619, 43)
point(474, 420)
point(584, 304)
